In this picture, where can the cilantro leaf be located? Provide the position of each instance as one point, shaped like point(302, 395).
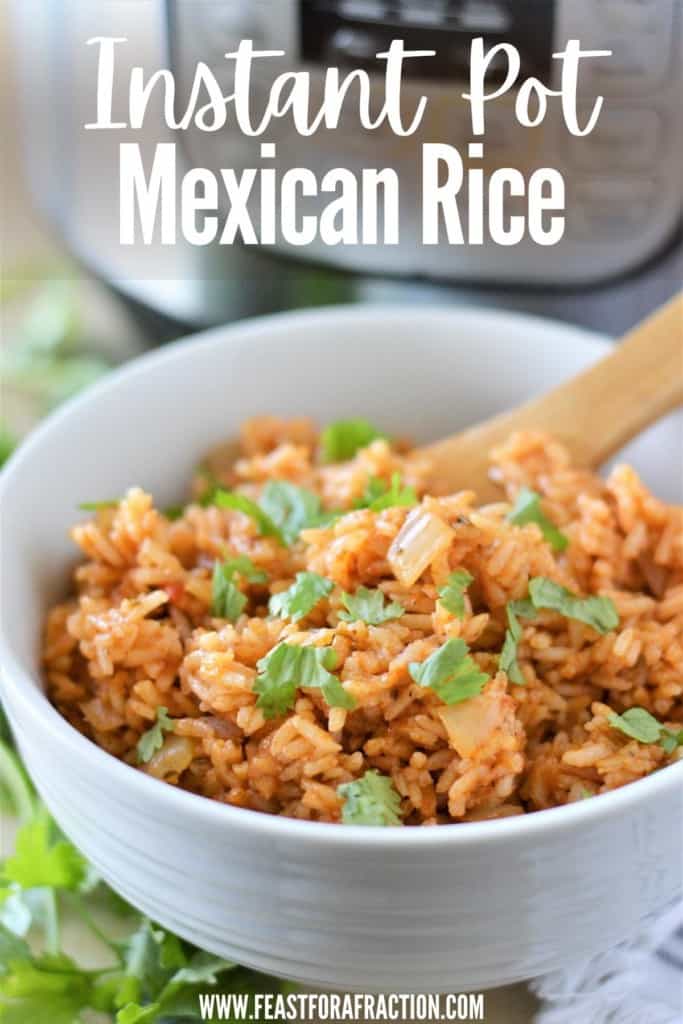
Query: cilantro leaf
point(150, 957)
point(598, 612)
point(639, 724)
point(45, 990)
point(242, 565)
point(527, 509)
point(368, 606)
point(371, 800)
point(291, 508)
point(240, 503)
point(133, 1013)
point(450, 672)
point(341, 440)
point(12, 948)
point(304, 594)
point(452, 595)
point(287, 667)
point(508, 656)
point(670, 740)
point(524, 608)
point(228, 601)
point(143, 973)
point(41, 859)
point(201, 969)
point(379, 495)
point(153, 739)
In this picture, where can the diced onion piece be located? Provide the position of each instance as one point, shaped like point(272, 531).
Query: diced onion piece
point(173, 758)
point(423, 537)
point(470, 723)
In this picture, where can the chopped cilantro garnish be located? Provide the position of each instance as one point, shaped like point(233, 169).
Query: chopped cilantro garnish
point(452, 595)
point(341, 440)
point(240, 503)
point(304, 594)
point(153, 739)
point(288, 667)
point(450, 672)
point(97, 506)
point(379, 495)
point(368, 606)
point(242, 565)
point(371, 800)
point(598, 612)
point(524, 608)
point(639, 724)
point(228, 600)
point(527, 509)
point(291, 508)
point(508, 656)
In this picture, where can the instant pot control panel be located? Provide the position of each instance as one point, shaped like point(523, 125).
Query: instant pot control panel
point(624, 193)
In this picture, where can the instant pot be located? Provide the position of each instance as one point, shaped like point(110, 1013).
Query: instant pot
point(622, 252)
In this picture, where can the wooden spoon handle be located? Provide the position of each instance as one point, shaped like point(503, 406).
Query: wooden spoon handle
point(594, 414)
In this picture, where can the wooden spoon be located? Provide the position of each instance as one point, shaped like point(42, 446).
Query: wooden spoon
point(594, 414)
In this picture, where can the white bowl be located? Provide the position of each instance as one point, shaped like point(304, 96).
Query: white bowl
point(455, 907)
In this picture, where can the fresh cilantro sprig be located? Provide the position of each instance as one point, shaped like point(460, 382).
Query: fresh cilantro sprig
point(228, 601)
point(450, 672)
point(340, 441)
point(598, 612)
point(153, 976)
point(369, 606)
point(639, 724)
point(527, 509)
point(289, 667)
point(370, 800)
point(152, 740)
point(452, 594)
point(301, 598)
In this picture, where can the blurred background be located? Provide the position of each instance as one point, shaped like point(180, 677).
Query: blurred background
point(75, 302)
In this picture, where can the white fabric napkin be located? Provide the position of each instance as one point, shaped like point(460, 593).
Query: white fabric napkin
point(639, 982)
